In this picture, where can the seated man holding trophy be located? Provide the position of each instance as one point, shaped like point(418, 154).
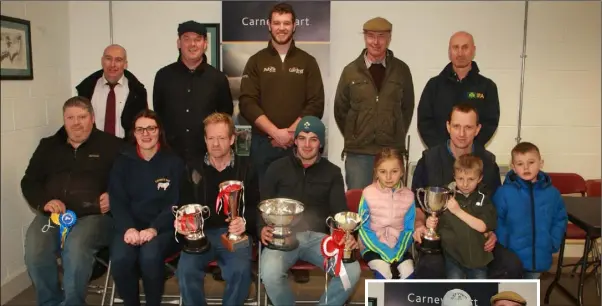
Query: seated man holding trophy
point(434, 171)
point(300, 192)
point(66, 184)
point(211, 218)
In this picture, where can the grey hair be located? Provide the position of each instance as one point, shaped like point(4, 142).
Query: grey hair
point(79, 101)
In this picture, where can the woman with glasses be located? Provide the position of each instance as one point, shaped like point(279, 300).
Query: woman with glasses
point(143, 187)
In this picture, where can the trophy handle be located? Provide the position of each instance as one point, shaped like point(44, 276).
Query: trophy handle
point(328, 222)
point(421, 199)
point(206, 211)
point(174, 210)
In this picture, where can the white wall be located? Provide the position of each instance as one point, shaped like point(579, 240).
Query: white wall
point(30, 110)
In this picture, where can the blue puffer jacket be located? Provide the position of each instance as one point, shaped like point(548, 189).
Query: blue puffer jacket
point(532, 219)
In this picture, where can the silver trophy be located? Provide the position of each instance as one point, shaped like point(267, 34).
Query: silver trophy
point(282, 214)
point(190, 218)
point(348, 222)
point(231, 197)
point(433, 201)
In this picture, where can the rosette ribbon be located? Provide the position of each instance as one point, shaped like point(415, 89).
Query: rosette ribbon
point(332, 248)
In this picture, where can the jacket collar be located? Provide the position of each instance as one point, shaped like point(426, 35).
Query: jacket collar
point(543, 180)
point(89, 83)
point(297, 160)
point(291, 49)
point(361, 59)
point(398, 188)
point(200, 68)
point(448, 71)
point(61, 135)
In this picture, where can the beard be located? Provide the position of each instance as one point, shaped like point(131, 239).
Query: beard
point(282, 42)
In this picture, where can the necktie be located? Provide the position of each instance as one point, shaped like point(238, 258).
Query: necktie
point(110, 111)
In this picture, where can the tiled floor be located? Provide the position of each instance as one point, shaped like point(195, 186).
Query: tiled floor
point(315, 287)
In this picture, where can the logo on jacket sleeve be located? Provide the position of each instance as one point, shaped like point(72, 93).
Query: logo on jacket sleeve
point(162, 183)
point(475, 95)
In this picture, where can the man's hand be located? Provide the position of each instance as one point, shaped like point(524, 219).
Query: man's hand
point(431, 222)
point(237, 226)
point(132, 237)
point(104, 203)
point(266, 234)
point(282, 137)
point(147, 235)
point(418, 233)
point(490, 243)
point(55, 206)
point(275, 144)
point(350, 243)
point(453, 206)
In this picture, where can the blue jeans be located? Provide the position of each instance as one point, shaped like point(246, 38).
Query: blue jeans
point(275, 264)
point(129, 263)
point(263, 154)
point(359, 170)
point(86, 238)
point(531, 275)
point(235, 266)
point(455, 271)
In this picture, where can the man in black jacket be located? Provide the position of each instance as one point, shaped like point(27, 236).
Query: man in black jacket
point(436, 168)
point(187, 91)
point(201, 185)
point(69, 171)
point(116, 94)
point(459, 82)
point(318, 184)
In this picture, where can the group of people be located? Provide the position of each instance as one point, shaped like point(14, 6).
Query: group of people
point(121, 168)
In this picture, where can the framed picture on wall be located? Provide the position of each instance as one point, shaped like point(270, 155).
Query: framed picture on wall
point(372, 301)
point(214, 45)
point(15, 49)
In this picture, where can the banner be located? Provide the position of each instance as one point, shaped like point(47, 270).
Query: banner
point(429, 294)
point(245, 32)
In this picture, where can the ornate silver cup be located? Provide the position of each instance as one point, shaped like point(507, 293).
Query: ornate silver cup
point(282, 214)
point(348, 222)
point(433, 201)
point(190, 219)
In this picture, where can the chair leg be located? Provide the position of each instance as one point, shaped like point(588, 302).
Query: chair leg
point(112, 301)
point(258, 280)
point(104, 290)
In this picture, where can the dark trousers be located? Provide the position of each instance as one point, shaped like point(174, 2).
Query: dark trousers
point(130, 263)
point(263, 154)
point(505, 265)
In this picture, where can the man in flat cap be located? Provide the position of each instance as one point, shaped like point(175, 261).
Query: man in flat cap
point(508, 298)
point(374, 103)
point(459, 82)
point(187, 91)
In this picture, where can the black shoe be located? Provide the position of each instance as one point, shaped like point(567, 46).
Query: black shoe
point(217, 274)
point(301, 276)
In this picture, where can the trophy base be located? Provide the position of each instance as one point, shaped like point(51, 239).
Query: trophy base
point(430, 246)
point(348, 256)
point(349, 260)
point(196, 246)
point(233, 245)
point(285, 244)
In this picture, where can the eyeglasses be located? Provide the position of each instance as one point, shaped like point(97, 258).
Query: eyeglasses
point(150, 129)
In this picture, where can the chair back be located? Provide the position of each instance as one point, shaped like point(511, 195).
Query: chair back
point(353, 199)
point(568, 183)
point(593, 187)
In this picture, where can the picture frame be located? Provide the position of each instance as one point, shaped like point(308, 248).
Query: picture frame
point(15, 49)
point(243, 140)
point(372, 301)
point(214, 45)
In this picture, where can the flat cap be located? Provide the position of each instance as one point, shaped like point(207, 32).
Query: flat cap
point(193, 27)
point(508, 296)
point(378, 24)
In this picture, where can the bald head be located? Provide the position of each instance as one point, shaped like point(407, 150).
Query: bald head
point(114, 62)
point(461, 50)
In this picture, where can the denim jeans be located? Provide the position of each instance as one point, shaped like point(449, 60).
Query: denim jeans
point(130, 263)
point(235, 266)
point(263, 154)
point(531, 275)
point(454, 270)
point(86, 238)
point(275, 264)
point(359, 170)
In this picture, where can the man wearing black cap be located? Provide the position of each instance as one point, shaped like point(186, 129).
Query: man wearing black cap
point(318, 184)
point(187, 91)
point(374, 103)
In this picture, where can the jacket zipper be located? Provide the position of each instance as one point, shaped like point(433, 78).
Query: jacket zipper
point(533, 222)
point(69, 175)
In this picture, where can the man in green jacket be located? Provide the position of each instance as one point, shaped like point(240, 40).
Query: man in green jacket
point(374, 103)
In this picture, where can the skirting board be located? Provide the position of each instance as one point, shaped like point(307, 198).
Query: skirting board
point(14, 287)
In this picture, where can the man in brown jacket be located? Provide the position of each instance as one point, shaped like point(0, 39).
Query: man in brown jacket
point(374, 103)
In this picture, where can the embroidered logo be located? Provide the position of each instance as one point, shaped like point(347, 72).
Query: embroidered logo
point(306, 124)
point(94, 155)
point(162, 183)
point(270, 69)
point(476, 95)
point(296, 70)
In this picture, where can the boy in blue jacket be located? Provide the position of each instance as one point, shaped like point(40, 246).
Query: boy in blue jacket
point(531, 215)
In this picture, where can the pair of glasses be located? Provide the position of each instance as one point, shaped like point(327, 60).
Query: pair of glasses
point(149, 129)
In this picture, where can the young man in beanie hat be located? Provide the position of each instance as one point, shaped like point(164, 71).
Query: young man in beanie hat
point(318, 184)
point(508, 298)
point(187, 91)
point(374, 103)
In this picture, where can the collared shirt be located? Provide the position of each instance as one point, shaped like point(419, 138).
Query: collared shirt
point(99, 102)
point(231, 164)
point(369, 62)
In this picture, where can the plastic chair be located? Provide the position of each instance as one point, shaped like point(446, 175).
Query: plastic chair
point(593, 188)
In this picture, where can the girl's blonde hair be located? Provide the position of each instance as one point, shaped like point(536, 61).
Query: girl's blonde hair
point(386, 154)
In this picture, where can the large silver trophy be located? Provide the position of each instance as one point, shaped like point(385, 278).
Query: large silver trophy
point(231, 197)
point(282, 214)
point(190, 219)
point(433, 201)
point(348, 222)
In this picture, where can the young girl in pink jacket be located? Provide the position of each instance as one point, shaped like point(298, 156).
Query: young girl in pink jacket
point(388, 207)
